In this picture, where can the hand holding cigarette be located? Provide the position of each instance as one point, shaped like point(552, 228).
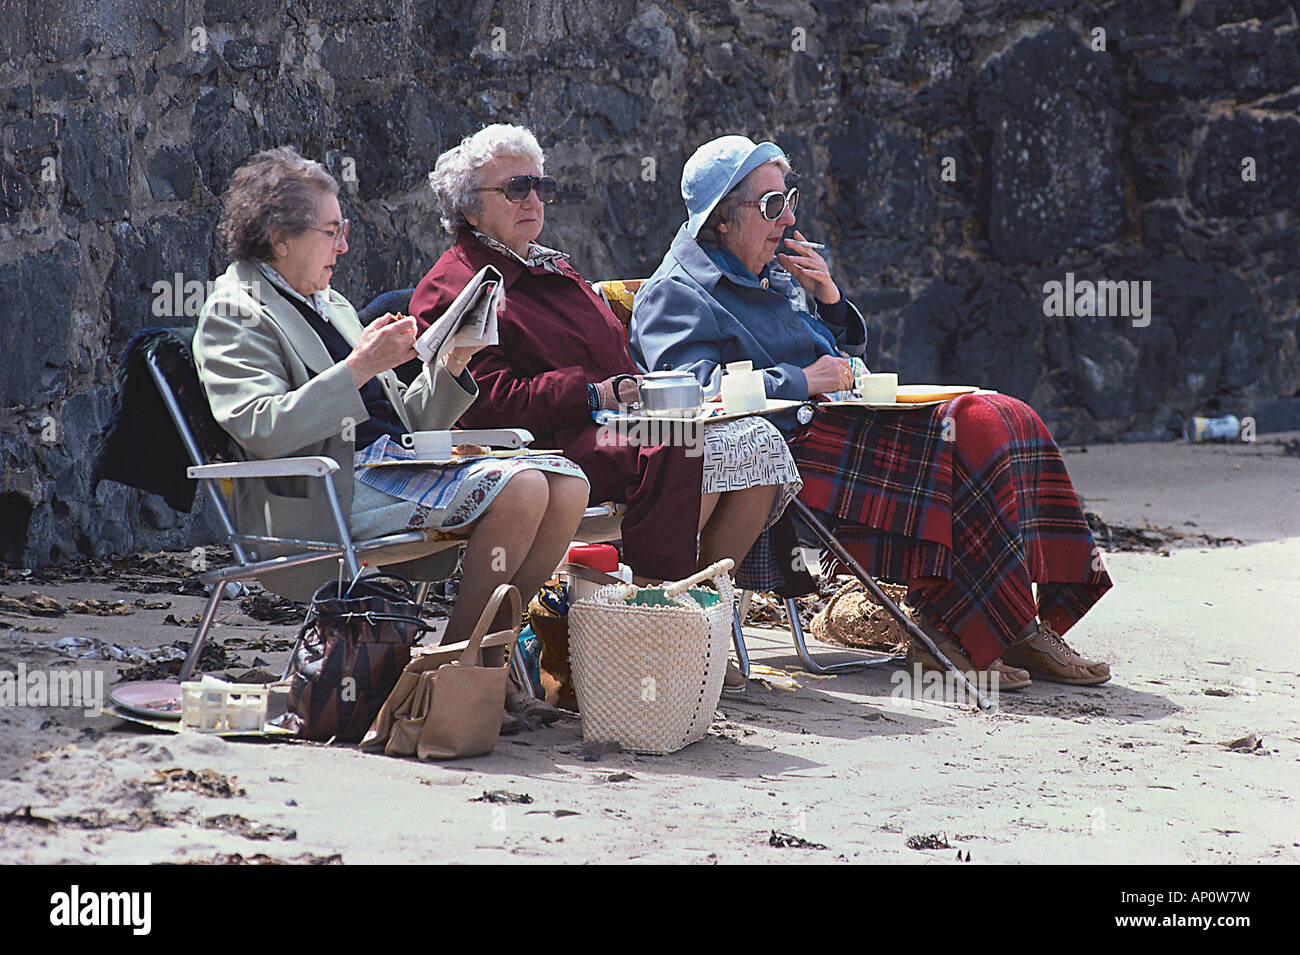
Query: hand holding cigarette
point(810, 270)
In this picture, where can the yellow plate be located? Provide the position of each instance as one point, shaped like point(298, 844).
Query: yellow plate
point(910, 394)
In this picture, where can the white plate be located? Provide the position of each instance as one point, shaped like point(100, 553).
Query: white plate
point(712, 411)
point(153, 699)
point(466, 459)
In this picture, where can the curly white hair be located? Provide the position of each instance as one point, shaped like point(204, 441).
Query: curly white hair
point(456, 175)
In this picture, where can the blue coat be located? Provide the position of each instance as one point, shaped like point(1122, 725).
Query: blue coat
point(693, 315)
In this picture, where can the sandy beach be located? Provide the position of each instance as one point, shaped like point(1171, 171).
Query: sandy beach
point(1200, 633)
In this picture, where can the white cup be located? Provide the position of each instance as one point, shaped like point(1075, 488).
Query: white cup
point(429, 445)
point(881, 387)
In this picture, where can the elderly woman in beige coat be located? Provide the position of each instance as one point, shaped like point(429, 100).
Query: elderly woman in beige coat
point(289, 371)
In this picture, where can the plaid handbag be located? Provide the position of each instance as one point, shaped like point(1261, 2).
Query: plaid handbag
point(350, 651)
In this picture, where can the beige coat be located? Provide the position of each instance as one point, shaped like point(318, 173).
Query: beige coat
point(274, 388)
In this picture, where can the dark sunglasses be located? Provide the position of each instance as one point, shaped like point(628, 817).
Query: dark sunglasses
point(772, 204)
point(517, 188)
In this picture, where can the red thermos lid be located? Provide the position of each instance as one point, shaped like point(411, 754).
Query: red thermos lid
point(602, 557)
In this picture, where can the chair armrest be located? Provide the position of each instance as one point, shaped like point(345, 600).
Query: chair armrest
point(272, 467)
point(494, 437)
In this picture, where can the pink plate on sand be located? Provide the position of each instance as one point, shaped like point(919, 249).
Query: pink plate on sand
point(158, 699)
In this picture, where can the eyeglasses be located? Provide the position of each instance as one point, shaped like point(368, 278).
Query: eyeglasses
point(517, 188)
point(773, 204)
point(338, 235)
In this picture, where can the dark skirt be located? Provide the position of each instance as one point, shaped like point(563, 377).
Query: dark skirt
point(660, 486)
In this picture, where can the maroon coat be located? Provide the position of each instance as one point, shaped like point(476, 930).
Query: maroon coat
point(557, 336)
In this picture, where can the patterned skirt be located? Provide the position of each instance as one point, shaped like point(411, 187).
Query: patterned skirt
point(441, 497)
point(968, 503)
point(749, 452)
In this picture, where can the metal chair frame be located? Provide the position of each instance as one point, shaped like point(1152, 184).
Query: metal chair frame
point(209, 475)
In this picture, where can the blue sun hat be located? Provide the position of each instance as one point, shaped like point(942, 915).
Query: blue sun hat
point(715, 169)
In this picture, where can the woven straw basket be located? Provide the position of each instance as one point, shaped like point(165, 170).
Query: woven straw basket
point(648, 663)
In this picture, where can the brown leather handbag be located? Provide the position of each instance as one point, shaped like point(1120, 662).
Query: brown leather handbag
point(444, 707)
point(349, 654)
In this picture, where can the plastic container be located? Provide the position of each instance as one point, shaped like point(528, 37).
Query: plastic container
point(742, 388)
point(215, 706)
point(602, 557)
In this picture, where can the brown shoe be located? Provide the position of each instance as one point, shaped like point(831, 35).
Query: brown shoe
point(1009, 678)
point(734, 681)
point(1047, 657)
point(530, 710)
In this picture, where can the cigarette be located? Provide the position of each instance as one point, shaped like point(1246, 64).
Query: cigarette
point(811, 245)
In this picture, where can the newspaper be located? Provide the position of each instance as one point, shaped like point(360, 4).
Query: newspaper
point(469, 320)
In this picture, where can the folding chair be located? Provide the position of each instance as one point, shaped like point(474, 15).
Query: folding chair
point(171, 366)
point(619, 295)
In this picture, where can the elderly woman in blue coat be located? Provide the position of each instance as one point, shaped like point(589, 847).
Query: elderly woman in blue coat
point(720, 292)
point(967, 502)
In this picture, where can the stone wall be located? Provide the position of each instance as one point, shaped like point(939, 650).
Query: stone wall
point(956, 155)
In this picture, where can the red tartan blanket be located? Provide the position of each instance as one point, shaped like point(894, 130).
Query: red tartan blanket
point(968, 503)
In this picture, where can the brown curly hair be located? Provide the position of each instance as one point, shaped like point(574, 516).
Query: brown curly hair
point(273, 194)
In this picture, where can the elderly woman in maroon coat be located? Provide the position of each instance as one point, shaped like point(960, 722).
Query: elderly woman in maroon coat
point(561, 355)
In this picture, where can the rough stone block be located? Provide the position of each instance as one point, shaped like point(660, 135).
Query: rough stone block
point(331, 11)
point(1277, 414)
point(1208, 14)
point(1198, 357)
point(1217, 185)
point(36, 297)
point(64, 29)
point(171, 172)
point(1055, 180)
point(298, 115)
point(223, 137)
point(393, 143)
point(884, 183)
point(949, 337)
point(64, 85)
point(160, 274)
point(236, 11)
point(366, 51)
point(249, 54)
point(15, 192)
point(93, 157)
